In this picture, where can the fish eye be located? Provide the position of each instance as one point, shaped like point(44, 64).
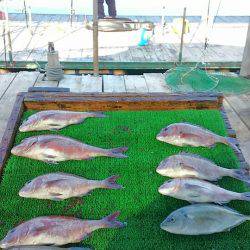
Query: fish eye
point(172, 220)
point(28, 182)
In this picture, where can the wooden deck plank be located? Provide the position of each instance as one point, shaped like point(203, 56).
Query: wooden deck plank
point(156, 82)
point(21, 83)
point(242, 131)
point(42, 82)
point(241, 106)
point(113, 84)
point(135, 83)
point(71, 81)
point(5, 81)
point(91, 83)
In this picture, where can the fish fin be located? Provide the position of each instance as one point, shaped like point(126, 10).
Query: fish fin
point(54, 125)
point(99, 115)
point(111, 221)
point(110, 183)
point(51, 162)
point(245, 196)
point(89, 159)
point(242, 174)
point(54, 198)
point(39, 229)
point(196, 156)
point(53, 182)
point(233, 142)
point(118, 152)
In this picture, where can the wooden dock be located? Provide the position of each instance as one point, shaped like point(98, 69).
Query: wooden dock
point(237, 106)
point(75, 46)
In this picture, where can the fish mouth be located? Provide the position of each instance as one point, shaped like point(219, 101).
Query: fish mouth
point(160, 137)
point(22, 128)
point(15, 151)
point(4, 244)
point(22, 193)
point(160, 170)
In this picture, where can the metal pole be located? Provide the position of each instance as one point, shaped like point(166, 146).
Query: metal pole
point(26, 14)
point(163, 18)
point(95, 38)
point(207, 23)
point(72, 12)
point(7, 28)
point(182, 34)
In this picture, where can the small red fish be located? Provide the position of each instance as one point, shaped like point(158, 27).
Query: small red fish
point(56, 148)
point(56, 230)
point(55, 120)
point(61, 186)
point(185, 134)
point(194, 190)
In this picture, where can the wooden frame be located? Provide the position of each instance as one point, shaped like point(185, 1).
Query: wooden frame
point(107, 102)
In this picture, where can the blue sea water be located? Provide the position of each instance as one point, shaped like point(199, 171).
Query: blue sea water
point(139, 7)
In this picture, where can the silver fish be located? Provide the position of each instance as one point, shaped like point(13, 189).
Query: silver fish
point(185, 134)
point(185, 165)
point(194, 190)
point(56, 230)
point(61, 186)
point(202, 219)
point(55, 148)
point(55, 120)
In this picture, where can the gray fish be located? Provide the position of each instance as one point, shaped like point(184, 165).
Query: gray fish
point(202, 219)
point(56, 148)
point(194, 190)
point(185, 165)
point(56, 230)
point(55, 120)
point(185, 134)
point(61, 186)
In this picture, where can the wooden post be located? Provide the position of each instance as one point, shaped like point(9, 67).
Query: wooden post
point(182, 34)
point(245, 66)
point(95, 38)
point(7, 29)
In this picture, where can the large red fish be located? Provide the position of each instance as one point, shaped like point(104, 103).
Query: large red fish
point(56, 148)
point(55, 120)
point(56, 230)
point(185, 134)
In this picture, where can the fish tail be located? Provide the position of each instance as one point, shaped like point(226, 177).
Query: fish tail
point(110, 183)
point(245, 196)
point(232, 142)
point(242, 174)
point(112, 222)
point(118, 152)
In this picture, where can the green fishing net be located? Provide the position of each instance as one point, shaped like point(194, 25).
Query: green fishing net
point(189, 79)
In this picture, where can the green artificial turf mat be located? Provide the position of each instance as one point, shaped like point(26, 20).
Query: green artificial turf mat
point(141, 206)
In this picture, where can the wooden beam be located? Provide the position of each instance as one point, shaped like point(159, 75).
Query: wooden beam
point(122, 101)
point(110, 65)
point(10, 131)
